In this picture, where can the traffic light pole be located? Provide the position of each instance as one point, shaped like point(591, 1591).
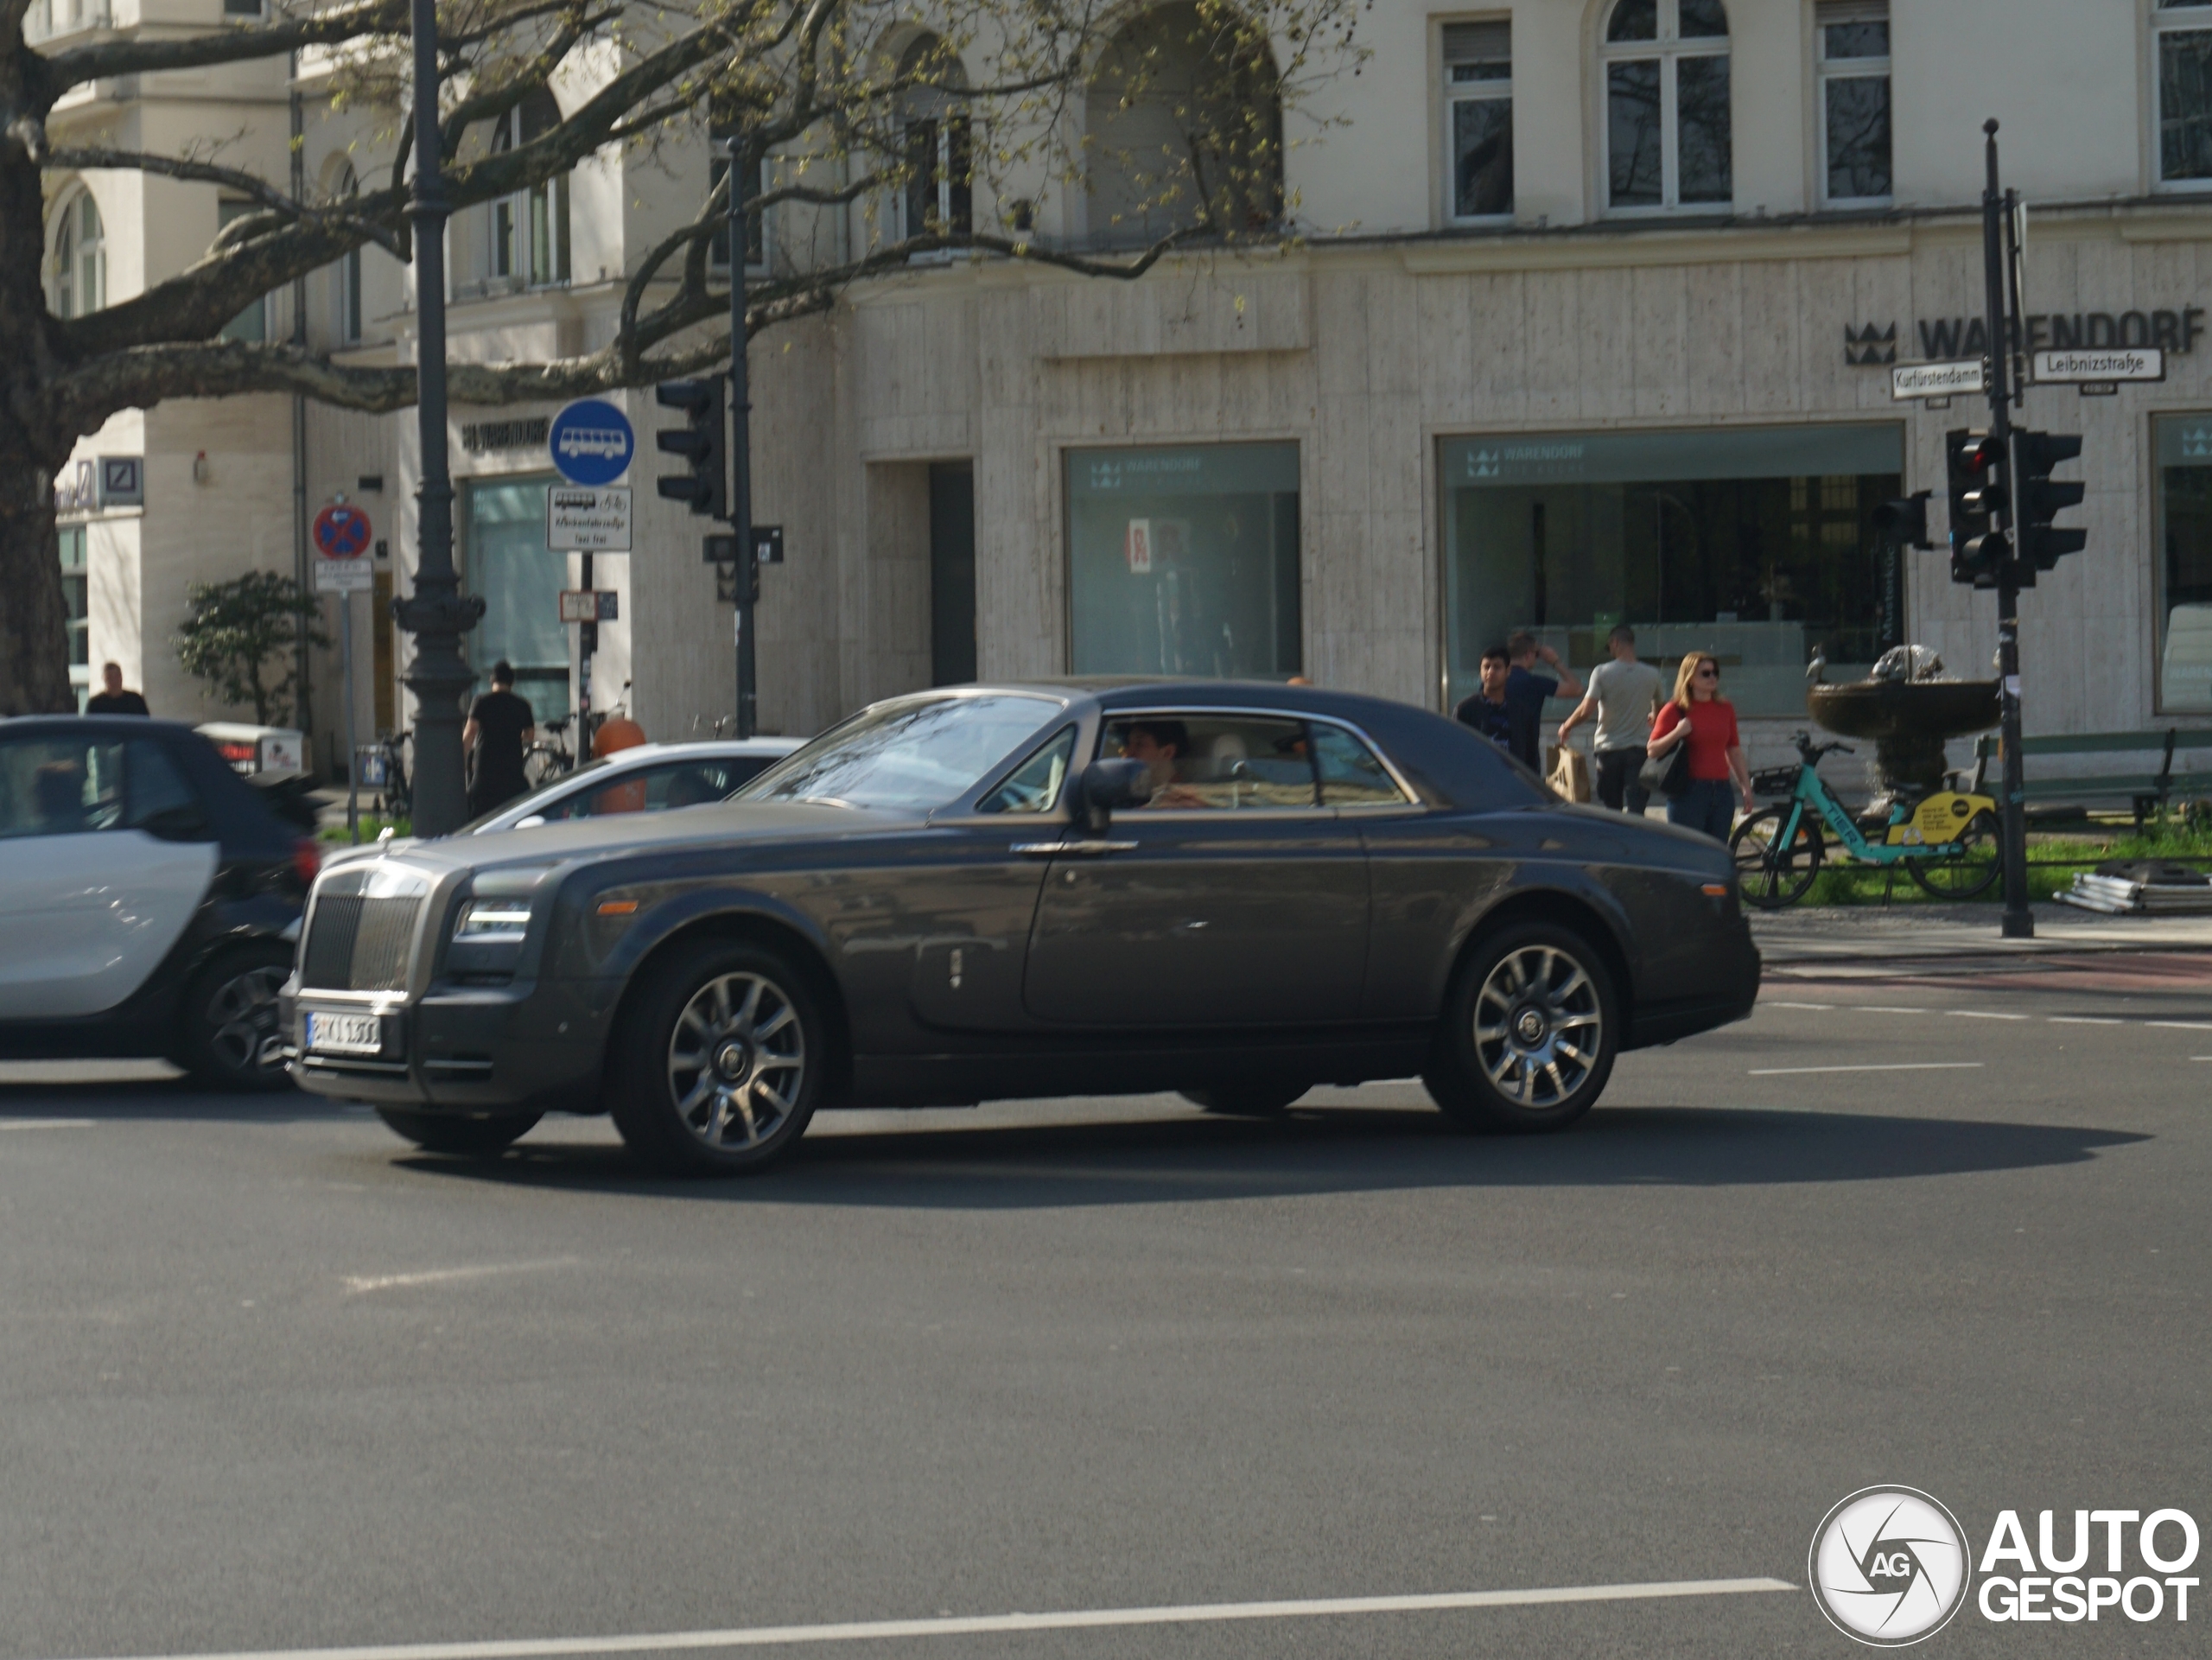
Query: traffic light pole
point(740, 446)
point(2019, 922)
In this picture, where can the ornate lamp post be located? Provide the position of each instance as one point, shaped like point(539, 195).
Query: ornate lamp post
point(437, 614)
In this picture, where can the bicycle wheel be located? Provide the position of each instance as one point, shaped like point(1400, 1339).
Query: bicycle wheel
point(1773, 876)
point(1969, 873)
point(542, 764)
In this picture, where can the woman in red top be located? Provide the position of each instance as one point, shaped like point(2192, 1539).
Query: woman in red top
point(1700, 717)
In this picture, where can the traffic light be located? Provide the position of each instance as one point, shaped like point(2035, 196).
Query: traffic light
point(703, 441)
point(2042, 544)
point(1974, 464)
point(1904, 521)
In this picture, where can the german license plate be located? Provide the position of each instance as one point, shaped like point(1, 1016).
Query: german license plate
point(345, 1034)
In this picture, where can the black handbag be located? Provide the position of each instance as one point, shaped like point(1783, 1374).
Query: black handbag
point(1668, 774)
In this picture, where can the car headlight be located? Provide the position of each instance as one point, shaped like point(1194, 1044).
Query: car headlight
point(492, 922)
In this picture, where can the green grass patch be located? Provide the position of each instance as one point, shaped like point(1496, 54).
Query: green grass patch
point(371, 827)
point(2053, 862)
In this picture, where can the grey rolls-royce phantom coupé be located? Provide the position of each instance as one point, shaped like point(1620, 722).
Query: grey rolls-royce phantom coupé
point(1235, 890)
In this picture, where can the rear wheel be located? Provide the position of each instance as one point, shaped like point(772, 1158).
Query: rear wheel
point(1980, 862)
point(720, 1061)
point(1249, 1100)
point(1529, 1032)
point(230, 1037)
point(472, 1138)
point(1771, 873)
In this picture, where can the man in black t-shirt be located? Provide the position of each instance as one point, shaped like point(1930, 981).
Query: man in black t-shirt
point(500, 728)
point(111, 699)
point(1487, 710)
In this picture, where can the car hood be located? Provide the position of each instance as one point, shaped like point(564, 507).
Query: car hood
point(718, 825)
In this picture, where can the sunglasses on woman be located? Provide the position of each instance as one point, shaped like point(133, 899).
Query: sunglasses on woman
point(1708, 671)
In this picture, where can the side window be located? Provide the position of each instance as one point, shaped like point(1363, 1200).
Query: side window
point(1351, 773)
point(59, 786)
point(161, 801)
point(689, 784)
point(1218, 762)
point(1036, 784)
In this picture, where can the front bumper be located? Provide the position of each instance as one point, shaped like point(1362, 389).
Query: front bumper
point(538, 1045)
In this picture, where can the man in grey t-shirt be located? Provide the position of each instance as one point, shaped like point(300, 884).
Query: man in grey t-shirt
point(1623, 696)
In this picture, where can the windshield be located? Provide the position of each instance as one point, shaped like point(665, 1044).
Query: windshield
point(912, 753)
point(521, 806)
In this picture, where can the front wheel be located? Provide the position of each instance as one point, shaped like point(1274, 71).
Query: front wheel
point(1969, 873)
point(230, 1037)
point(720, 1060)
point(1771, 873)
point(1530, 1029)
point(468, 1138)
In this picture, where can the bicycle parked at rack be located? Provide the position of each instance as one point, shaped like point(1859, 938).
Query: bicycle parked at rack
point(550, 756)
point(1947, 840)
point(384, 769)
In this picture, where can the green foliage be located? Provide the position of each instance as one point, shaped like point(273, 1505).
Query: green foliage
point(241, 637)
point(2053, 862)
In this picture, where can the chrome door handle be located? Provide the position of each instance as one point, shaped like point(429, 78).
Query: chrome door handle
point(1082, 850)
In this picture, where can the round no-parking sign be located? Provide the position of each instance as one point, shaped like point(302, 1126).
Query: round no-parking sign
point(341, 532)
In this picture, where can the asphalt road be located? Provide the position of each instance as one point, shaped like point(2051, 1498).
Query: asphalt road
point(275, 1381)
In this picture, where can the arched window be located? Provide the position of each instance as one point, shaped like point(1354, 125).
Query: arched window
point(1667, 123)
point(529, 242)
point(938, 195)
point(1183, 123)
point(345, 275)
point(80, 258)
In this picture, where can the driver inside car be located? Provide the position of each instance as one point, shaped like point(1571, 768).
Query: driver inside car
point(1160, 745)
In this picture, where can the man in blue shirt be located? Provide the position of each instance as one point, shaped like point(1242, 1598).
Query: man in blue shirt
point(1526, 692)
point(1486, 709)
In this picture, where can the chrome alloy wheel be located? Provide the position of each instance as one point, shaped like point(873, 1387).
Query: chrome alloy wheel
point(1538, 1025)
point(736, 1061)
point(242, 1029)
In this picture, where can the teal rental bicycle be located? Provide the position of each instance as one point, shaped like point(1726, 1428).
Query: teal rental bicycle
point(1947, 840)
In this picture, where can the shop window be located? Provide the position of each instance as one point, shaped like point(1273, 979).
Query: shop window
point(2184, 566)
point(1184, 561)
point(80, 258)
point(1852, 46)
point(76, 600)
point(1479, 120)
point(2183, 33)
point(1755, 544)
point(1668, 140)
point(521, 582)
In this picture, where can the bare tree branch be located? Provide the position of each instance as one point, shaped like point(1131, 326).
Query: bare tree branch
point(106, 58)
point(83, 158)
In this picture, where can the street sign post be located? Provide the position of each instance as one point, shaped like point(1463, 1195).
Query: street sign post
point(2100, 366)
point(1911, 380)
point(592, 442)
point(345, 566)
point(585, 518)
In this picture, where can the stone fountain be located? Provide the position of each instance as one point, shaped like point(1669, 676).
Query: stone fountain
point(1909, 719)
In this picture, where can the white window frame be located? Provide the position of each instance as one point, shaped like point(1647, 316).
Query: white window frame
point(756, 222)
point(1669, 49)
point(346, 318)
point(68, 265)
point(1455, 93)
point(944, 121)
point(254, 324)
point(1827, 71)
point(2177, 20)
point(522, 276)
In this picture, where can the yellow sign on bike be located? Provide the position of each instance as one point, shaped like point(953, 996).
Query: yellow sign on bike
point(1943, 817)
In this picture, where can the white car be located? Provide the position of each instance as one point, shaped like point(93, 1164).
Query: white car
point(646, 777)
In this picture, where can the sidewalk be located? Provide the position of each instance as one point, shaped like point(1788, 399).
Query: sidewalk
point(1843, 933)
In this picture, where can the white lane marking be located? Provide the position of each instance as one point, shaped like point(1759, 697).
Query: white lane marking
point(1885, 1067)
point(2182, 1026)
point(2083, 1020)
point(1818, 1006)
point(1980, 1015)
point(1884, 1008)
point(358, 1282)
point(49, 1124)
point(755, 1636)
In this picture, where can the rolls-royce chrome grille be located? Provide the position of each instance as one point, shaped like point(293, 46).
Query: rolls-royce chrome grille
point(362, 930)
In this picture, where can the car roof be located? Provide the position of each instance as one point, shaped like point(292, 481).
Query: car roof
point(699, 748)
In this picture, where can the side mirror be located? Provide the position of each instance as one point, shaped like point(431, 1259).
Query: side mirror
point(1108, 784)
point(531, 821)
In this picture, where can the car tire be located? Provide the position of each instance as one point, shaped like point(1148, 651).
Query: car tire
point(229, 1036)
point(1513, 1051)
point(472, 1138)
point(719, 1061)
point(1256, 1100)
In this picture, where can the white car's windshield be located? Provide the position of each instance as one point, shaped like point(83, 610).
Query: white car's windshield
point(912, 753)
